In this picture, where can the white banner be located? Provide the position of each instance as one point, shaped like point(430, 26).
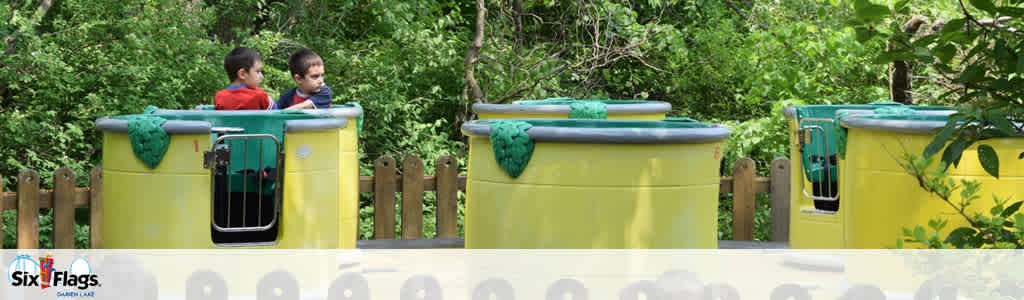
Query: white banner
point(512, 274)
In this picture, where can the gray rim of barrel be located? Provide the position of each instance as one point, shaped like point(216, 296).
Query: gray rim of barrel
point(337, 112)
point(916, 112)
point(790, 111)
point(905, 126)
point(199, 127)
point(642, 107)
point(716, 132)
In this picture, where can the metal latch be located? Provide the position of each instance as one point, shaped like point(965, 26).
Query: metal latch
point(800, 138)
point(219, 157)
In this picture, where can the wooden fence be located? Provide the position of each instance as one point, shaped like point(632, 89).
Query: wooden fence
point(389, 179)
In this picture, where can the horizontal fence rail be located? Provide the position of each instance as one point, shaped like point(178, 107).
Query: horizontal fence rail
point(389, 179)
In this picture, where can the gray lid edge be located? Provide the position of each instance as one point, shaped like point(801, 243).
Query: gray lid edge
point(171, 126)
point(337, 112)
point(648, 107)
point(906, 126)
point(614, 135)
point(789, 111)
point(314, 124)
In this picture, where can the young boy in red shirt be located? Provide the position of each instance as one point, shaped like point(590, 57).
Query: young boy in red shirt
point(245, 70)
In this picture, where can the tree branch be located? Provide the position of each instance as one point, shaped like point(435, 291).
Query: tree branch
point(744, 15)
point(44, 7)
point(759, 24)
point(518, 91)
point(970, 17)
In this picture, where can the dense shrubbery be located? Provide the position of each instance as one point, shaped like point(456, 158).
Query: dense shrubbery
point(405, 62)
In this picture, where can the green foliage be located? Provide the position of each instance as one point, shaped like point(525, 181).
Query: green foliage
point(978, 66)
point(762, 140)
point(1001, 227)
point(405, 63)
point(9, 220)
point(90, 59)
point(366, 220)
point(762, 218)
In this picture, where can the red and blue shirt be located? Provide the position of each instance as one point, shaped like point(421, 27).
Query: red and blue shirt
point(239, 97)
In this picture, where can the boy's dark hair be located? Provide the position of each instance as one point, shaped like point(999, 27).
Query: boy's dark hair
point(240, 58)
point(301, 61)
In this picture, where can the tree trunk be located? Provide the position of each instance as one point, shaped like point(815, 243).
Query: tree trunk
point(899, 74)
point(471, 90)
point(517, 9)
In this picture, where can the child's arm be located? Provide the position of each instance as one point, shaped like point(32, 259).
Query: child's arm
point(323, 98)
point(308, 104)
point(271, 105)
point(320, 100)
point(285, 99)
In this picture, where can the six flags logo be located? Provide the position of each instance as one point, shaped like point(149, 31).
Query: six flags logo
point(24, 271)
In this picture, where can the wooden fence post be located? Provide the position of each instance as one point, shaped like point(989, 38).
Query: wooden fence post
point(1, 211)
point(743, 200)
point(384, 198)
point(447, 196)
point(412, 198)
point(780, 199)
point(96, 208)
point(64, 209)
point(28, 210)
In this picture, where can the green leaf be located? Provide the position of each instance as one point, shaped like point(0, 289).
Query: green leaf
point(989, 133)
point(1003, 58)
point(951, 156)
point(985, 5)
point(1021, 156)
point(953, 26)
point(940, 140)
point(1015, 12)
point(1020, 63)
point(980, 47)
point(944, 68)
point(944, 52)
point(989, 160)
point(1012, 209)
point(923, 41)
point(919, 233)
point(895, 55)
point(870, 12)
point(1002, 123)
point(995, 210)
point(974, 73)
point(960, 236)
point(863, 34)
point(1001, 85)
point(922, 51)
point(900, 5)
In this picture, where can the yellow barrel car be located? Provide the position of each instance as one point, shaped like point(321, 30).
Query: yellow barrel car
point(818, 163)
point(882, 198)
point(208, 179)
point(592, 184)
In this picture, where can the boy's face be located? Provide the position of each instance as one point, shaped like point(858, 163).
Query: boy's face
point(253, 76)
point(312, 82)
